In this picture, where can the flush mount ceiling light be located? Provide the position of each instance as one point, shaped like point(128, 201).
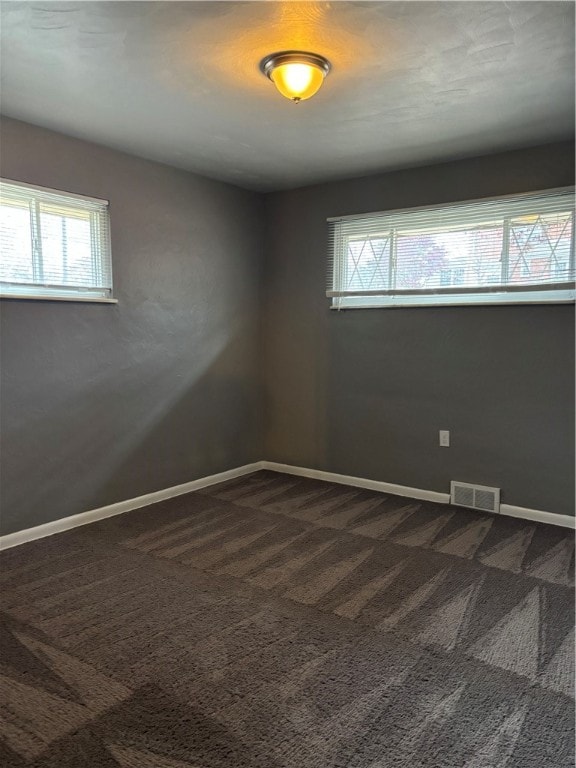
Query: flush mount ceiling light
point(298, 75)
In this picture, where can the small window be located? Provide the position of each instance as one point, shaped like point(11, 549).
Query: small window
point(53, 245)
point(502, 250)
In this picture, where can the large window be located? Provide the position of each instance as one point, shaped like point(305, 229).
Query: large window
point(500, 250)
point(53, 245)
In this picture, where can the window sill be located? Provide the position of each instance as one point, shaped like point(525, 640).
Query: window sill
point(447, 306)
point(561, 297)
point(80, 299)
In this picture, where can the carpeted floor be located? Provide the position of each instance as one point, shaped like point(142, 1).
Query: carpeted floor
point(287, 623)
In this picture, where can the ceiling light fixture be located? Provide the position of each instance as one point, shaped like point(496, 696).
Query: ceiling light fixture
point(298, 75)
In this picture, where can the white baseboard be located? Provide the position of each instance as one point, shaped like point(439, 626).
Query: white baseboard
point(92, 516)
point(553, 518)
point(359, 482)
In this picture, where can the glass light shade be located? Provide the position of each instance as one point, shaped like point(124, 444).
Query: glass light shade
point(296, 74)
point(297, 81)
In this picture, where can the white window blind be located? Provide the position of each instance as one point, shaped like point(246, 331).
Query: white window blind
point(508, 249)
point(53, 244)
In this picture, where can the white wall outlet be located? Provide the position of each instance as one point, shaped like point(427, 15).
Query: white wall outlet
point(444, 438)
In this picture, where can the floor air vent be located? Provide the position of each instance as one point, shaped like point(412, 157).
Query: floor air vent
point(475, 496)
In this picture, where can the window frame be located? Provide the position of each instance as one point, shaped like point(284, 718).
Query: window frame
point(392, 298)
point(100, 249)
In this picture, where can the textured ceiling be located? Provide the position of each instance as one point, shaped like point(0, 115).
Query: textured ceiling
point(178, 82)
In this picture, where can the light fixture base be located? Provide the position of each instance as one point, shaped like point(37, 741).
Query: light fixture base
point(273, 60)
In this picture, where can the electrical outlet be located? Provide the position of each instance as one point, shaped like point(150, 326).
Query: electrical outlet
point(444, 438)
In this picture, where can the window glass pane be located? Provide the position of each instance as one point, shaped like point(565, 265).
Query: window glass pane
point(15, 242)
point(422, 261)
point(540, 248)
point(66, 247)
point(368, 263)
point(484, 263)
point(468, 257)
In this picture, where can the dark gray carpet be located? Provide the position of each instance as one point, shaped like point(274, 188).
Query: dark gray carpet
point(286, 623)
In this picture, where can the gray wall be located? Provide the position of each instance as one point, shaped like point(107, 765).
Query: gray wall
point(101, 403)
point(364, 392)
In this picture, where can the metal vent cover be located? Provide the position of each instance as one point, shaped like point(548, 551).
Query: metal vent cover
point(475, 496)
